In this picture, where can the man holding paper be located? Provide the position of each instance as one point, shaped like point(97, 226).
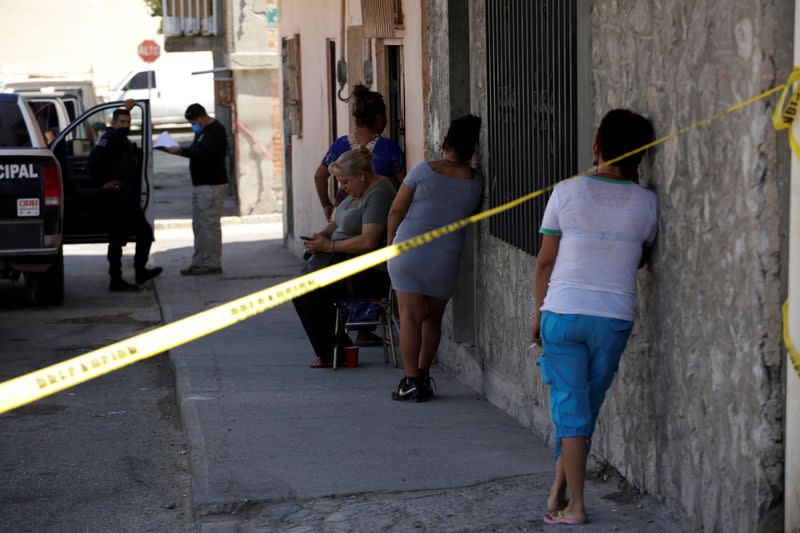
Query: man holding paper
point(165, 141)
point(210, 184)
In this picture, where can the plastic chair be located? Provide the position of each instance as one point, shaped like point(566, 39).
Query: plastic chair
point(387, 320)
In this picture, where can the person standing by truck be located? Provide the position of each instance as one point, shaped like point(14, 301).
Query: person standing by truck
point(210, 184)
point(116, 161)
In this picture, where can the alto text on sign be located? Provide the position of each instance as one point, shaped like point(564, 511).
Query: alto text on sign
point(149, 50)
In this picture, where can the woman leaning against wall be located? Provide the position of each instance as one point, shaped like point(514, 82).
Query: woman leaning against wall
point(597, 231)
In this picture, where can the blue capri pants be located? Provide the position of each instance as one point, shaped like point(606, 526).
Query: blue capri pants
point(581, 356)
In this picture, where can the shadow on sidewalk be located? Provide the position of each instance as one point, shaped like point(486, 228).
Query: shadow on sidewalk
point(288, 445)
point(263, 426)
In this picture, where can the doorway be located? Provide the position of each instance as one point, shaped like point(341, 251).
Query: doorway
point(395, 94)
point(333, 126)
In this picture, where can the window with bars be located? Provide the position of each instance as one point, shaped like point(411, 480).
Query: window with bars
point(532, 108)
point(190, 17)
point(294, 101)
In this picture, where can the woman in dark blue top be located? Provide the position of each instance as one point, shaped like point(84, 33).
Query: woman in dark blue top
point(388, 159)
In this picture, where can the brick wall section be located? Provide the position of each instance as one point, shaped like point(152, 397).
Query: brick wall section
point(695, 414)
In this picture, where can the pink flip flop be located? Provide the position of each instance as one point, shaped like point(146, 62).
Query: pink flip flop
point(559, 519)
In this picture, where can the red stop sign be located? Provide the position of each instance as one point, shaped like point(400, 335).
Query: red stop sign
point(149, 51)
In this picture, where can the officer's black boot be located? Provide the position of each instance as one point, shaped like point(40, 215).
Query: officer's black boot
point(120, 285)
point(115, 270)
point(143, 273)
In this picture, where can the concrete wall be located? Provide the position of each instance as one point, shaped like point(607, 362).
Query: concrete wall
point(249, 45)
point(82, 39)
point(696, 411)
point(259, 185)
point(316, 21)
point(438, 109)
point(257, 121)
point(708, 344)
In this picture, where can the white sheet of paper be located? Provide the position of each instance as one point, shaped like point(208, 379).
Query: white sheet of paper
point(164, 140)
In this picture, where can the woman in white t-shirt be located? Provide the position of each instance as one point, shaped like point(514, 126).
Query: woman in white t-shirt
point(597, 231)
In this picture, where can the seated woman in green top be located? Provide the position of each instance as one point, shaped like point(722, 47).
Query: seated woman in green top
point(358, 227)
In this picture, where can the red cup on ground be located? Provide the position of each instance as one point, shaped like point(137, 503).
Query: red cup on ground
point(351, 356)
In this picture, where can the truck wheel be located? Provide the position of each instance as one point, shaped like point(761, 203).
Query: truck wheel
point(47, 288)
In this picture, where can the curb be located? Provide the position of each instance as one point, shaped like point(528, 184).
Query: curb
point(190, 420)
point(173, 223)
point(201, 503)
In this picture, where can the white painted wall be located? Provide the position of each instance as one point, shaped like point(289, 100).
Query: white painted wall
point(316, 21)
point(415, 107)
point(94, 39)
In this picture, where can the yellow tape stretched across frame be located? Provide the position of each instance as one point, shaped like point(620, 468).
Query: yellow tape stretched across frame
point(783, 119)
point(49, 380)
point(785, 113)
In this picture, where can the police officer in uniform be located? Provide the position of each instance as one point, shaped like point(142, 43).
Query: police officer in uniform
point(115, 161)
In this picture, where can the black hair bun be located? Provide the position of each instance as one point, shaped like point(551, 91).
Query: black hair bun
point(360, 90)
point(463, 136)
point(472, 122)
point(367, 105)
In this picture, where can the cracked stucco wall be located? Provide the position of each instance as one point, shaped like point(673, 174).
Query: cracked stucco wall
point(259, 150)
point(258, 156)
point(696, 411)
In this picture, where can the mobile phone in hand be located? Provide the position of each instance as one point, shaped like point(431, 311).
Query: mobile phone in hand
point(306, 238)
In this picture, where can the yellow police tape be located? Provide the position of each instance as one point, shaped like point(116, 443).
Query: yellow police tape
point(40, 383)
point(783, 119)
point(784, 115)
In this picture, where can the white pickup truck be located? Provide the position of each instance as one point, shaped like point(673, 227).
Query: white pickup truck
point(170, 86)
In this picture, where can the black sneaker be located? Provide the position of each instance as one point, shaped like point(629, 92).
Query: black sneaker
point(412, 390)
point(120, 285)
point(428, 382)
point(147, 274)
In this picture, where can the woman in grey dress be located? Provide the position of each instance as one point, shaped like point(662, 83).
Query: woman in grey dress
point(433, 194)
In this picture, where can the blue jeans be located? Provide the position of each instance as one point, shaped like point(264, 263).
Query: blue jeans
point(581, 356)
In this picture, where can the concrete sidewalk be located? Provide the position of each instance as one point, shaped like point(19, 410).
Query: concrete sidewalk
point(276, 445)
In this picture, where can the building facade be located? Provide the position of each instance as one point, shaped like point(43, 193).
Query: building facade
point(696, 413)
point(701, 411)
point(242, 37)
point(378, 43)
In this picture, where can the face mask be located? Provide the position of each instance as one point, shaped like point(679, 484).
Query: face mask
point(124, 131)
point(197, 128)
